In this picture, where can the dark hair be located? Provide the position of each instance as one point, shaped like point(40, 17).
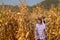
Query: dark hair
point(41, 19)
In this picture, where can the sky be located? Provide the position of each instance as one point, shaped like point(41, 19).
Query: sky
point(15, 2)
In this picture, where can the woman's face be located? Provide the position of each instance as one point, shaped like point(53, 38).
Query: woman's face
point(39, 21)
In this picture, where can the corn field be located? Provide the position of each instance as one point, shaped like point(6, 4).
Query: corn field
point(21, 25)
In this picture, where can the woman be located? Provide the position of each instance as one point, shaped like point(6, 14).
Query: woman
point(40, 30)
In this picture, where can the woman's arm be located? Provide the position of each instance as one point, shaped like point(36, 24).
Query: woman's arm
point(36, 32)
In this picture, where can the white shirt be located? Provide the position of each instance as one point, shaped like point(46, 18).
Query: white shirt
point(39, 31)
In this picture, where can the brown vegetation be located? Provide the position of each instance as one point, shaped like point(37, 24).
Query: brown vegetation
point(20, 26)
